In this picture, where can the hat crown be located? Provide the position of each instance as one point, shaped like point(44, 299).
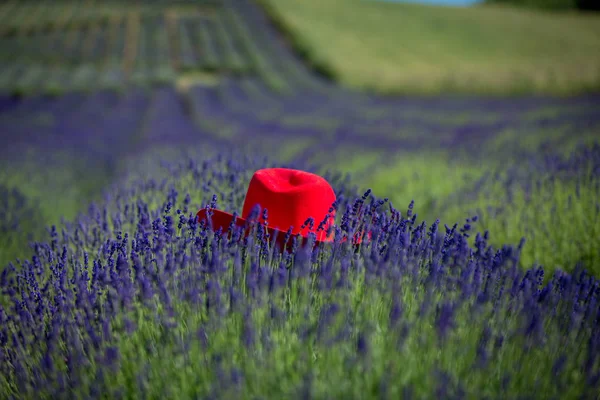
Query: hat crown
point(290, 197)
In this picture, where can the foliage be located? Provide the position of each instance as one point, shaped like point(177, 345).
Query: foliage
point(550, 4)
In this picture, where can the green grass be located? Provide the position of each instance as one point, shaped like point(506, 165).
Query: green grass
point(410, 48)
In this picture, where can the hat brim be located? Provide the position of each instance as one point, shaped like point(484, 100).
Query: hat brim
point(221, 220)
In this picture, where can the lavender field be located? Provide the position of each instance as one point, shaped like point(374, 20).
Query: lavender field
point(119, 122)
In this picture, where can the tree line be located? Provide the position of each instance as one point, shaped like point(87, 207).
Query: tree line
point(585, 5)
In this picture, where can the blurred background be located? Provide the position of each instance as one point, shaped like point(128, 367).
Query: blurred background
point(457, 104)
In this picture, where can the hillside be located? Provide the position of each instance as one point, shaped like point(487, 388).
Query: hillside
point(411, 48)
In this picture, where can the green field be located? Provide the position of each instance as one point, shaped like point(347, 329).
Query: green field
point(410, 48)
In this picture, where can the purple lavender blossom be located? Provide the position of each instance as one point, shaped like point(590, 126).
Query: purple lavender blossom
point(114, 273)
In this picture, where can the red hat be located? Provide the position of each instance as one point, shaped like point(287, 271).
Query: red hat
point(291, 197)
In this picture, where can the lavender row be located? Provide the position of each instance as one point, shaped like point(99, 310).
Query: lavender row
point(249, 103)
point(167, 121)
point(283, 58)
point(68, 47)
point(245, 108)
point(137, 282)
point(189, 57)
point(261, 64)
point(102, 123)
point(207, 43)
point(234, 57)
point(98, 48)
